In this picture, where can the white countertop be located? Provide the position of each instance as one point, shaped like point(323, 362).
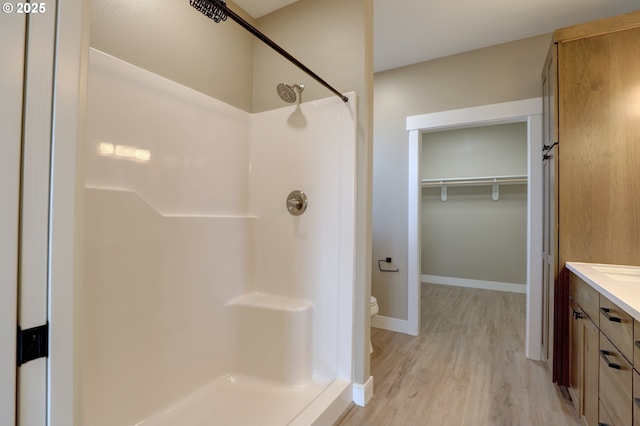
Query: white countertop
point(619, 283)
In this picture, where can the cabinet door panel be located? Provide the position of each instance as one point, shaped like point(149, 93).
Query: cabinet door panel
point(603, 417)
point(636, 398)
point(591, 371)
point(585, 296)
point(599, 156)
point(617, 325)
point(575, 356)
point(636, 345)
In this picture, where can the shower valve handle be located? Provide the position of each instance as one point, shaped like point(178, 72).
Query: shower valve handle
point(296, 203)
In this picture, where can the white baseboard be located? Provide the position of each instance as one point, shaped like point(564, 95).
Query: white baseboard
point(362, 393)
point(463, 282)
point(391, 324)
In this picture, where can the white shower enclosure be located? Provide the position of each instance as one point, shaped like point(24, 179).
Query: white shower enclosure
point(205, 301)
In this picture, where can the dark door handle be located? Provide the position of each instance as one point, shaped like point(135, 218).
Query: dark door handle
point(610, 364)
point(605, 312)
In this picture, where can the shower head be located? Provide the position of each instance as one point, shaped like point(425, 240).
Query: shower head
point(288, 93)
point(214, 9)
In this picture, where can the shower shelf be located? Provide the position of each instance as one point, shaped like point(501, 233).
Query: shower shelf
point(494, 181)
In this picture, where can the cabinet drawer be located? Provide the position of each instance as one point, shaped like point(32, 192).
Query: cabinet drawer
point(636, 398)
point(603, 416)
point(617, 325)
point(585, 296)
point(636, 344)
point(615, 387)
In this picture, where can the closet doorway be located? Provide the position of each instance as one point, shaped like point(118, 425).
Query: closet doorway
point(529, 113)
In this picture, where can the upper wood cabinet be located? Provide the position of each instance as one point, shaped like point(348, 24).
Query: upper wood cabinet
point(598, 78)
point(591, 109)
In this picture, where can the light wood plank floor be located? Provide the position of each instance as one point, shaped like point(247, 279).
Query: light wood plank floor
point(467, 367)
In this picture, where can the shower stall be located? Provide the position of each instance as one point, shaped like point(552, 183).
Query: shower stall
point(205, 300)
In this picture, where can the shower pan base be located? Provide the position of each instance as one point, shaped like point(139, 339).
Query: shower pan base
point(233, 400)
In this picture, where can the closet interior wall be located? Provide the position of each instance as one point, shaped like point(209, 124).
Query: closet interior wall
point(472, 238)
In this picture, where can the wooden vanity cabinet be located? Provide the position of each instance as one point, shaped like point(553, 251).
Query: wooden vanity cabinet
point(603, 385)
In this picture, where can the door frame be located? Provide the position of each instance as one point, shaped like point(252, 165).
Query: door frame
point(64, 394)
point(527, 110)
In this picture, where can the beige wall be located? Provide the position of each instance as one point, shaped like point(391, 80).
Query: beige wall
point(226, 62)
point(500, 73)
point(174, 40)
point(328, 37)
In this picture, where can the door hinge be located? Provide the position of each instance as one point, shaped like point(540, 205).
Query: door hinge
point(33, 343)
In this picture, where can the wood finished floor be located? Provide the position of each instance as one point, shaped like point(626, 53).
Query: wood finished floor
point(467, 367)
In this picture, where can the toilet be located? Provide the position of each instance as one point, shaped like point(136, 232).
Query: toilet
point(373, 311)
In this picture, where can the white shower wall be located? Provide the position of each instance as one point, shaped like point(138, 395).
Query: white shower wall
point(185, 211)
point(307, 154)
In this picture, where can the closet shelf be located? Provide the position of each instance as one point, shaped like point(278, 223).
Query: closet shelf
point(494, 181)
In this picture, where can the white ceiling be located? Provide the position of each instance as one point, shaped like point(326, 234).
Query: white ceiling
point(412, 31)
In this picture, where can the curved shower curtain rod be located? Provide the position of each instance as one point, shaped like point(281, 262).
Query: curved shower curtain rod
point(218, 11)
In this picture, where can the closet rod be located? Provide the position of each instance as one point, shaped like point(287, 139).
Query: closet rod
point(494, 181)
point(472, 181)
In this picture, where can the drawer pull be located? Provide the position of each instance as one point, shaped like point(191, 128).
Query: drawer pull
point(603, 354)
point(637, 401)
point(637, 342)
point(603, 424)
point(605, 312)
point(577, 315)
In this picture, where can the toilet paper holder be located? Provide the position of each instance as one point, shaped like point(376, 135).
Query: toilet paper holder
point(388, 262)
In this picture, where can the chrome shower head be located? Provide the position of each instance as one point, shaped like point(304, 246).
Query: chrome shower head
point(288, 93)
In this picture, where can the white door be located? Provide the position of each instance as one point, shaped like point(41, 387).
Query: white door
point(12, 32)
